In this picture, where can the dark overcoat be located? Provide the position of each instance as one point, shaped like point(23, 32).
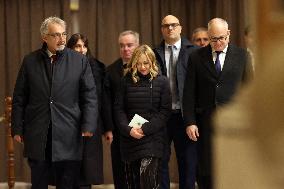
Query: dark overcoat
point(65, 100)
point(92, 162)
point(205, 90)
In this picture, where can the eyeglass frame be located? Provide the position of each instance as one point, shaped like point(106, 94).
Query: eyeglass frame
point(58, 35)
point(173, 25)
point(216, 39)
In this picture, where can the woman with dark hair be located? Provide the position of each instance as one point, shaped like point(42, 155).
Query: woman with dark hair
point(146, 93)
point(92, 162)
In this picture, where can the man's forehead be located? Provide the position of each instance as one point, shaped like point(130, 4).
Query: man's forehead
point(170, 19)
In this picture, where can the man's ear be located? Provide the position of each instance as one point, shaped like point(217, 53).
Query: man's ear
point(44, 38)
point(228, 32)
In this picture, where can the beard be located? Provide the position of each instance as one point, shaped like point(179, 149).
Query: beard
point(60, 47)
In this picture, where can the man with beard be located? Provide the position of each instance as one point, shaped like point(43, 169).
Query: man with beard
point(54, 105)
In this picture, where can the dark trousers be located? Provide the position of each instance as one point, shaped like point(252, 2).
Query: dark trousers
point(118, 166)
point(143, 173)
point(65, 173)
point(177, 134)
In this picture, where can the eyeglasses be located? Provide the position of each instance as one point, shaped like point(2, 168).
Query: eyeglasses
point(172, 25)
point(58, 35)
point(221, 39)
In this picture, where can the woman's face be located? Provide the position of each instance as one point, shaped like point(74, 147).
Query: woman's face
point(80, 47)
point(143, 65)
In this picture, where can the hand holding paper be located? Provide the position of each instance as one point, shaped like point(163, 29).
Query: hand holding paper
point(137, 121)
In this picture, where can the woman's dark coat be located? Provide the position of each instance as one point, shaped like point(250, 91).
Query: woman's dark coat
point(65, 100)
point(92, 162)
point(152, 101)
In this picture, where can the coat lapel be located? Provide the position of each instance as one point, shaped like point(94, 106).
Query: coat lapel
point(207, 61)
point(229, 63)
point(161, 52)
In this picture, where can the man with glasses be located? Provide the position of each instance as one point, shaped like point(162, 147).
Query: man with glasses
point(172, 56)
point(213, 76)
point(54, 106)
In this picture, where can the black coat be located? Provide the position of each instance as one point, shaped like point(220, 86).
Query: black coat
point(114, 73)
point(151, 100)
point(67, 101)
point(182, 62)
point(92, 162)
point(205, 90)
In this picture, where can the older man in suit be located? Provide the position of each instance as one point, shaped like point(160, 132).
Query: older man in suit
point(213, 76)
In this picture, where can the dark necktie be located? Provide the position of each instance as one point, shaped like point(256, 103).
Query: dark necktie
point(172, 75)
point(217, 62)
point(53, 60)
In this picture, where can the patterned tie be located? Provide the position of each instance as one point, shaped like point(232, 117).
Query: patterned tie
point(217, 62)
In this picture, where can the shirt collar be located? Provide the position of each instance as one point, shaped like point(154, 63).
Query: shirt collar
point(223, 51)
point(177, 45)
point(49, 53)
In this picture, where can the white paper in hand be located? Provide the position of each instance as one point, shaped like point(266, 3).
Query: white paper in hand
point(137, 121)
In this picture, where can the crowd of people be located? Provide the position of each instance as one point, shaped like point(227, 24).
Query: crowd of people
point(65, 99)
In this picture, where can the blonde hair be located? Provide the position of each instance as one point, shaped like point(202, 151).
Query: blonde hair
point(132, 65)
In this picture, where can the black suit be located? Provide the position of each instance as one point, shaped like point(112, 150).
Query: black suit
point(175, 127)
point(204, 91)
point(114, 73)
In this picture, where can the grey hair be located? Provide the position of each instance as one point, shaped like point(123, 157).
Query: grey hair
point(199, 29)
point(130, 32)
point(218, 20)
point(51, 20)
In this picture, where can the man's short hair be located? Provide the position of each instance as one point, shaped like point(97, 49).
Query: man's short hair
point(130, 32)
point(51, 20)
point(220, 20)
point(199, 29)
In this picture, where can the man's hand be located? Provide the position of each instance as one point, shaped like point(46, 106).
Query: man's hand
point(19, 139)
point(192, 132)
point(109, 137)
point(87, 134)
point(135, 133)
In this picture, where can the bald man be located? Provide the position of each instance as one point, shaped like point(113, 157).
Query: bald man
point(213, 76)
point(172, 56)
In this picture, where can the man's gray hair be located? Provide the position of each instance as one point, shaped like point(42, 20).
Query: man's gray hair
point(130, 32)
point(51, 20)
point(218, 20)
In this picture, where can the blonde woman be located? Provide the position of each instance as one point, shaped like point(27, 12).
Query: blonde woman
point(146, 93)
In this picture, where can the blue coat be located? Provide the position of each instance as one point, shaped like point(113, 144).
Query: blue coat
point(65, 100)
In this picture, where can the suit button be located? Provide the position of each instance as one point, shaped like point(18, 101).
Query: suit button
point(51, 102)
point(217, 85)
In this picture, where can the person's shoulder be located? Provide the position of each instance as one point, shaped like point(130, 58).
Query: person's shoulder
point(34, 55)
point(114, 65)
point(74, 53)
point(161, 78)
point(186, 43)
point(236, 49)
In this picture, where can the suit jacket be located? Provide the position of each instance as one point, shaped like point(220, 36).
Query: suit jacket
point(114, 73)
point(182, 62)
point(204, 88)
